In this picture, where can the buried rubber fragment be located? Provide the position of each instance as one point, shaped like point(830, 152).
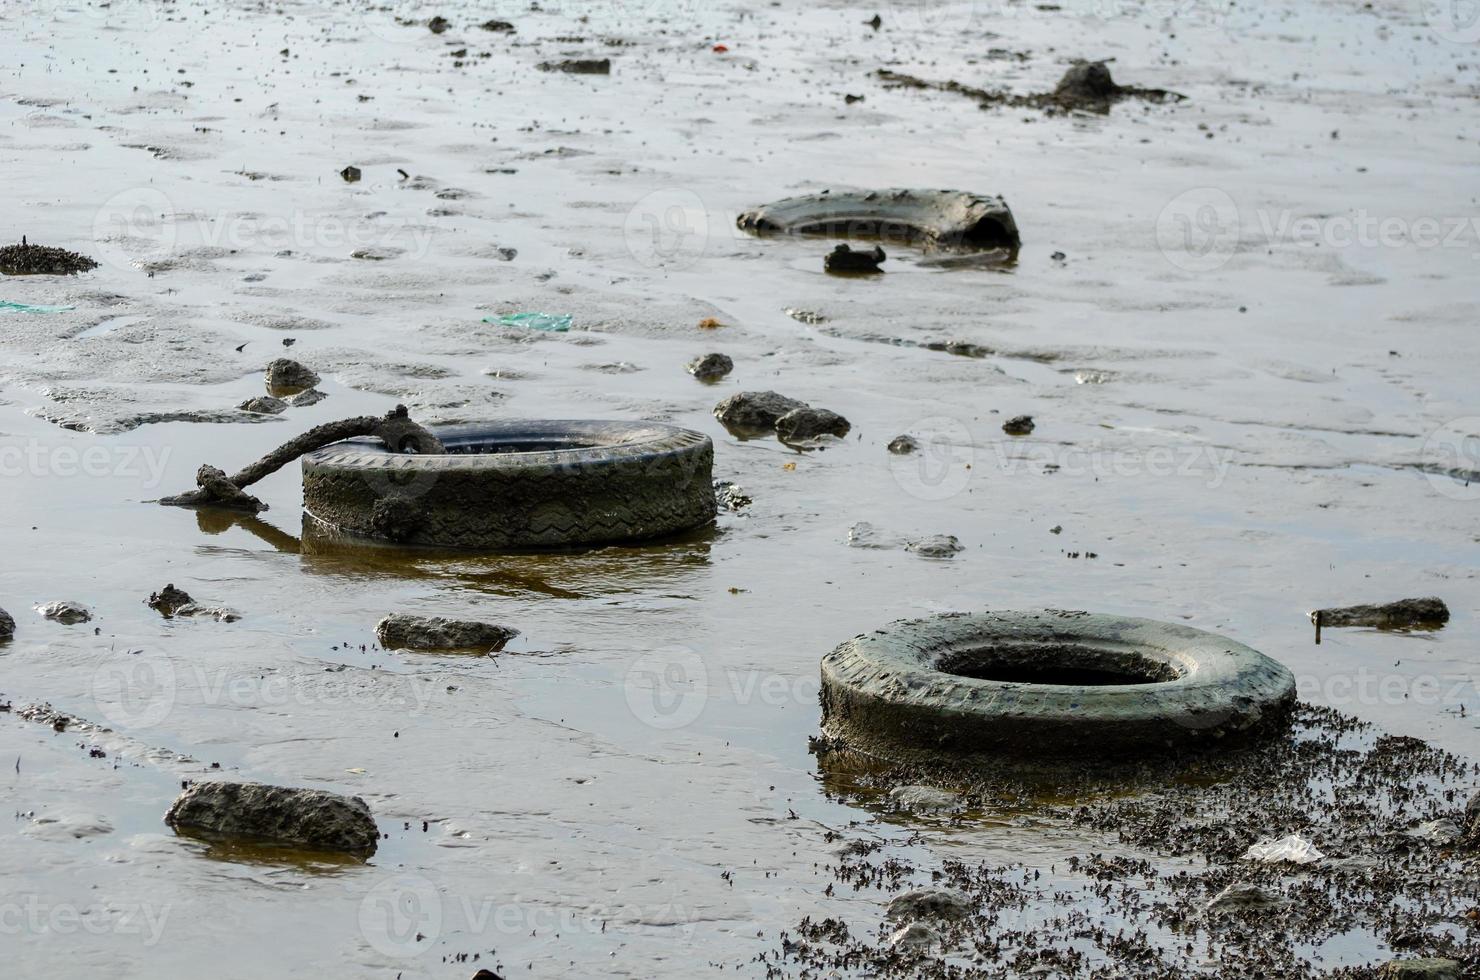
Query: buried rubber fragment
point(1046, 684)
point(934, 220)
point(1427, 613)
point(310, 818)
point(518, 484)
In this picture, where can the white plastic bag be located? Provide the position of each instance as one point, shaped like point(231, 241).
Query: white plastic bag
point(1292, 850)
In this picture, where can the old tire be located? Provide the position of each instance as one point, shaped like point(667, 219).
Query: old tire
point(1046, 684)
point(524, 484)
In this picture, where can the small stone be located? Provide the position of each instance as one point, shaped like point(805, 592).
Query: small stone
point(1472, 823)
point(936, 546)
point(498, 26)
point(916, 935)
point(1058, 256)
point(755, 410)
point(904, 445)
point(930, 903)
point(264, 405)
point(579, 66)
point(350, 174)
point(1426, 968)
point(1244, 898)
point(1442, 832)
point(1018, 425)
point(806, 424)
point(439, 25)
point(220, 614)
point(711, 367)
point(303, 817)
point(924, 799)
point(7, 625)
point(67, 613)
point(305, 398)
point(846, 259)
point(168, 599)
point(286, 375)
point(399, 632)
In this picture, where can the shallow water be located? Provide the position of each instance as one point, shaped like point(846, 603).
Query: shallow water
point(1242, 418)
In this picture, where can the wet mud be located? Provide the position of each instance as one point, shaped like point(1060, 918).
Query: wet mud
point(1243, 417)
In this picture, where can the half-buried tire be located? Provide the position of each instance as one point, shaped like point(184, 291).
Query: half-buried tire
point(1048, 684)
point(518, 484)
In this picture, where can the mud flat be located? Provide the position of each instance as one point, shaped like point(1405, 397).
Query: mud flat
point(1242, 324)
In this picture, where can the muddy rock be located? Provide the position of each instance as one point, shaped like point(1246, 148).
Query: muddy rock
point(1088, 87)
point(924, 799)
point(1405, 613)
point(755, 410)
point(904, 445)
point(168, 600)
point(287, 375)
point(7, 626)
point(1245, 898)
point(580, 66)
point(309, 818)
point(930, 903)
point(805, 424)
point(846, 259)
point(711, 367)
point(915, 936)
point(1019, 425)
point(1441, 832)
point(935, 546)
point(26, 259)
point(68, 613)
point(305, 398)
point(194, 610)
point(400, 632)
point(1426, 968)
point(264, 405)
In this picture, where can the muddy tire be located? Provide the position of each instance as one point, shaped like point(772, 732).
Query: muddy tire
point(1046, 684)
point(935, 220)
point(518, 485)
